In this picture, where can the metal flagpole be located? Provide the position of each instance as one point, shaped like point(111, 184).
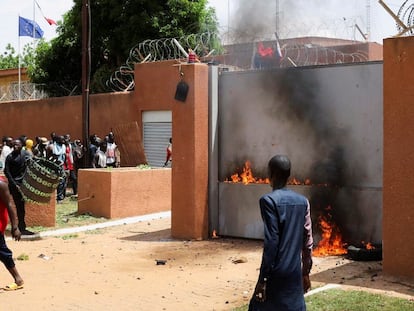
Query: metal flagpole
point(18, 47)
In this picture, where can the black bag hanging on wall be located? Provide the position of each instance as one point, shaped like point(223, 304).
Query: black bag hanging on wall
point(181, 91)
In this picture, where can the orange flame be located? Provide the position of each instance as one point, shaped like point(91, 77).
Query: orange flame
point(368, 245)
point(214, 234)
point(331, 242)
point(247, 177)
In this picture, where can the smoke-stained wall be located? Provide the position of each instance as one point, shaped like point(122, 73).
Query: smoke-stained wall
point(328, 120)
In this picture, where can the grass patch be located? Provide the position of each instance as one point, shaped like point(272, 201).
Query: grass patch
point(353, 300)
point(69, 236)
point(67, 216)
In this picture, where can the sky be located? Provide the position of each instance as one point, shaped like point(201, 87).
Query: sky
point(9, 17)
point(335, 18)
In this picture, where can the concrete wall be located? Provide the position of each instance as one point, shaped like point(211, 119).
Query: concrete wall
point(64, 115)
point(398, 178)
point(124, 192)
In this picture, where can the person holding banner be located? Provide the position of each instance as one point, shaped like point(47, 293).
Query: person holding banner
point(14, 170)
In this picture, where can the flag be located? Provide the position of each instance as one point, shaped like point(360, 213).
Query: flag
point(26, 27)
point(50, 21)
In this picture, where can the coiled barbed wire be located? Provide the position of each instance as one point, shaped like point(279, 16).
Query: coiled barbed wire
point(303, 55)
point(203, 44)
point(406, 15)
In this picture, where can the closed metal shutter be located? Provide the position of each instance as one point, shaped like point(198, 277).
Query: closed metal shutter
point(156, 138)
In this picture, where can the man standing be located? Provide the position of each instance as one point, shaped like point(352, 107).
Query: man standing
point(288, 242)
point(5, 151)
point(6, 255)
point(14, 170)
point(112, 152)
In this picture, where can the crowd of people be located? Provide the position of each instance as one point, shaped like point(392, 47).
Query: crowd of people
point(15, 154)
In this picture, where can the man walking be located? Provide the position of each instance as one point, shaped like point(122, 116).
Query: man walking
point(288, 242)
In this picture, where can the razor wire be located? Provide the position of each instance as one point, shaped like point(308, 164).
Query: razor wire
point(406, 15)
point(158, 50)
point(303, 55)
point(25, 91)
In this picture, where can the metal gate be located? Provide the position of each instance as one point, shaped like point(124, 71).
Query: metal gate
point(157, 131)
point(327, 119)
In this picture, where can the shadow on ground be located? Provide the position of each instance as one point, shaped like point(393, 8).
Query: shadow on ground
point(368, 274)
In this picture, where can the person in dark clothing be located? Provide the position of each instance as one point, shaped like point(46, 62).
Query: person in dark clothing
point(14, 169)
point(288, 242)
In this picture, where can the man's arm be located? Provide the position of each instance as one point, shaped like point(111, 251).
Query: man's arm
point(7, 172)
point(307, 250)
point(271, 237)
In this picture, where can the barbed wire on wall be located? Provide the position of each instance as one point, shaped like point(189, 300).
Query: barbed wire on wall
point(25, 91)
point(310, 55)
point(406, 15)
point(203, 44)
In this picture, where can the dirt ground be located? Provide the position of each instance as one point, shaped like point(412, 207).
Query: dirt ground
point(116, 268)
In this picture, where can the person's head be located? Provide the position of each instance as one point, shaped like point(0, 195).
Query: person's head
point(170, 140)
point(29, 144)
point(111, 137)
point(60, 139)
point(9, 141)
point(102, 145)
point(17, 146)
point(279, 171)
point(43, 142)
point(67, 137)
point(23, 138)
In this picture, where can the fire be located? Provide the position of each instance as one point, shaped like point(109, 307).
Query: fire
point(247, 177)
point(368, 245)
point(331, 242)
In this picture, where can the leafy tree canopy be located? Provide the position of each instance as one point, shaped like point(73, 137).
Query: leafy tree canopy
point(116, 26)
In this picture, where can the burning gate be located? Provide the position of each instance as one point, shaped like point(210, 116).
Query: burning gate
point(328, 120)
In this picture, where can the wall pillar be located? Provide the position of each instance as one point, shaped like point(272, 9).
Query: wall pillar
point(155, 87)
point(398, 177)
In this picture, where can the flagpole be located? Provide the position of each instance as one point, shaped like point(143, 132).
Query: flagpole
point(34, 20)
point(20, 78)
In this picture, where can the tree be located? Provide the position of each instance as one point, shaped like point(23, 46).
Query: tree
point(116, 26)
point(10, 60)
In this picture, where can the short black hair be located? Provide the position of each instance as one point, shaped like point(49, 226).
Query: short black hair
point(279, 166)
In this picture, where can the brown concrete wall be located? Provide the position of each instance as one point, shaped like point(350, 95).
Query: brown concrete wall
point(64, 115)
point(398, 179)
point(41, 215)
point(124, 192)
point(157, 83)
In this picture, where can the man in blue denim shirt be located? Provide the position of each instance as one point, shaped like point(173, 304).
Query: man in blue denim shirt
point(288, 242)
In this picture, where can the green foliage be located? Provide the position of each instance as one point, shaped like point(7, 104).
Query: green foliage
point(116, 26)
point(10, 59)
point(352, 300)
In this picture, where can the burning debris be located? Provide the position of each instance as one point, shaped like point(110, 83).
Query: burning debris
point(331, 242)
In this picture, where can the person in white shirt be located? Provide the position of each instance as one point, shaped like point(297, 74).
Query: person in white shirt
point(112, 152)
point(5, 151)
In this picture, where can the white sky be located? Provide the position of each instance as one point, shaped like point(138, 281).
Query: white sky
point(334, 18)
point(316, 16)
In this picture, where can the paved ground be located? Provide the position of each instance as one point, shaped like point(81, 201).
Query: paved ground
point(115, 268)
